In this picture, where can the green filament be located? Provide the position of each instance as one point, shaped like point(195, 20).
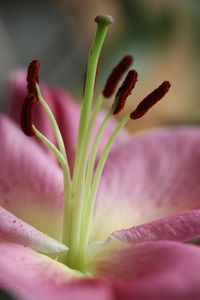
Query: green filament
point(54, 124)
point(67, 182)
point(52, 147)
point(95, 184)
point(65, 166)
point(95, 148)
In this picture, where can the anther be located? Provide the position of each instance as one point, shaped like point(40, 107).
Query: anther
point(124, 91)
point(150, 100)
point(27, 114)
point(116, 75)
point(32, 76)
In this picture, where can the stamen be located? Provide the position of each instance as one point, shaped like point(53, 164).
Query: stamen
point(32, 76)
point(150, 100)
point(116, 75)
point(124, 91)
point(27, 114)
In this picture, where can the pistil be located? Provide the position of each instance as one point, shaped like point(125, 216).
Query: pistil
point(80, 190)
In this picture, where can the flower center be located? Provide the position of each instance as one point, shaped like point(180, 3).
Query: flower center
point(80, 189)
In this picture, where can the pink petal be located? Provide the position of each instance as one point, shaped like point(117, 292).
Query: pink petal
point(36, 270)
point(183, 227)
point(154, 175)
point(14, 230)
point(152, 270)
point(31, 185)
point(42, 278)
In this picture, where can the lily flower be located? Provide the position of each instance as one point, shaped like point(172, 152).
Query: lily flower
point(103, 223)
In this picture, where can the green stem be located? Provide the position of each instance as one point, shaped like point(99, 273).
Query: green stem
point(80, 188)
point(105, 153)
point(90, 167)
point(67, 212)
point(93, 58)
point(95, 147)
point(78, 184)
point(95, 185)
point(88, 181)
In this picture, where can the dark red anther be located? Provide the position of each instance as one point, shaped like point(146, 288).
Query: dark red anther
point(32, 76)
point(150, 100)
point(31, 99)
point(26, 114)
point(116, 75)
point(124, 91)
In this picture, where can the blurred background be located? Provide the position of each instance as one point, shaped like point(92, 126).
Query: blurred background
point(163, 36)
